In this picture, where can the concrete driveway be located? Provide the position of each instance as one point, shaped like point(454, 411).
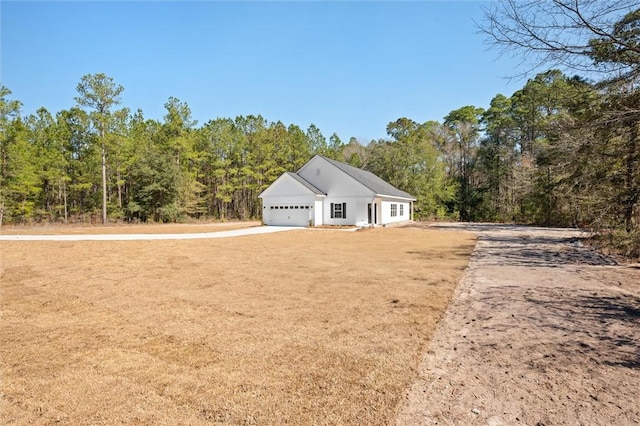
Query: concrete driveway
point(130, 237)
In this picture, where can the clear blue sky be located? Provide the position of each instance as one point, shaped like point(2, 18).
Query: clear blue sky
point(347, 67)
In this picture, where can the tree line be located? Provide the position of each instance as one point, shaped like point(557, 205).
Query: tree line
point(563, 150)
point(96, 163)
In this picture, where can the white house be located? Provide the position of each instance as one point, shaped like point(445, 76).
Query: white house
point(328, 192)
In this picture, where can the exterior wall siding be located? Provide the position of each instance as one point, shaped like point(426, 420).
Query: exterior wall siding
point(328, 220)
point(341, 189)
point(318, 213)
point(386, 211)
point(357, 211)
point(362, 211)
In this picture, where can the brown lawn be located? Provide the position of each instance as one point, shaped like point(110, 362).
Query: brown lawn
point(301, 327)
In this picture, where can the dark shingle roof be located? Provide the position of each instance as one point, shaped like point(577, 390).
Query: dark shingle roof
point(371, 181)
point(306, 183)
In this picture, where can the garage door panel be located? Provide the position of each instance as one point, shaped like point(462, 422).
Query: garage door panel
point(289, 216)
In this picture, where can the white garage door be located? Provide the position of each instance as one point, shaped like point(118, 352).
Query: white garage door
point(289, 215)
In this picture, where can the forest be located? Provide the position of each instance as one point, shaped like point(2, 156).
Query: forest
point(564, 150)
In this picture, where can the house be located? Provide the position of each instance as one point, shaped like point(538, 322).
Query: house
point(328, 192)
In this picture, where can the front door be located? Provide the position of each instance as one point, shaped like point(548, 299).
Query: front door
point(372, 213)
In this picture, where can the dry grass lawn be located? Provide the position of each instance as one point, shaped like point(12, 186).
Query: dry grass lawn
point(301, 327)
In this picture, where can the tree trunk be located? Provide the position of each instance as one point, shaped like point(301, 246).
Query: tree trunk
point(631, 184)
point(119, 187)
point(64, 194)
point(104, 182)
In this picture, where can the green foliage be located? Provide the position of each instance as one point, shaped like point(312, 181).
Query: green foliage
point(9, 111)
point(154, 185)
point(579, 142)
point(22, 184)
point(411, 162)
point(354, 153)
point(621, 48)
point(461, 143)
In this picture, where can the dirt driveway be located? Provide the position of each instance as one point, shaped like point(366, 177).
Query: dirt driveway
point(541, 331)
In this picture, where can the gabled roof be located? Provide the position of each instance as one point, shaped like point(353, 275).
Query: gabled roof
point(297, 178)
point(371, 181)
point(306, 183)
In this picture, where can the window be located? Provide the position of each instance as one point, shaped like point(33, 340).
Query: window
point(401, 209)
point(394, 210)
point(338, 210)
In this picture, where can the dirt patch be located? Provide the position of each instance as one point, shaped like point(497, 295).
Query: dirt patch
point(542, 331)
point(303, 327)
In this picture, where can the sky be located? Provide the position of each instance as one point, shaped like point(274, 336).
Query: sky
point(349, 67)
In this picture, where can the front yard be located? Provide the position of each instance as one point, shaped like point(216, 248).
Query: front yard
point(302, 327)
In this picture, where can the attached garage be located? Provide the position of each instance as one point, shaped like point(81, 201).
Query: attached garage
point(290, 201)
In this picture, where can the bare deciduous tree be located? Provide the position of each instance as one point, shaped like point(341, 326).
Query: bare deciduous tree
point(546, 34)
